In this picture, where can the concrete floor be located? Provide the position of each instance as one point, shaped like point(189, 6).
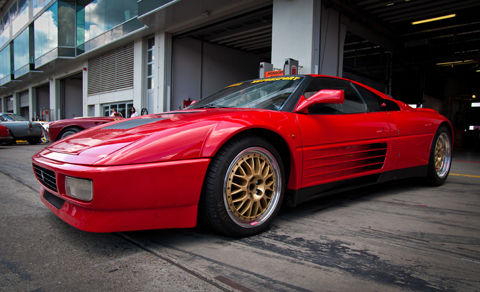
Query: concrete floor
point(399, 236)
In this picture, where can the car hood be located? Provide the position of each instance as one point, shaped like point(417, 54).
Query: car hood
point(153, 138)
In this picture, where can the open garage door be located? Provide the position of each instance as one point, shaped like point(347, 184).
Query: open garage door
point(211, 57)
point(71, 96)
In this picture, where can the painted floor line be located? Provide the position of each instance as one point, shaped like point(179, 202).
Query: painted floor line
point(467, 175)
point(468, 161)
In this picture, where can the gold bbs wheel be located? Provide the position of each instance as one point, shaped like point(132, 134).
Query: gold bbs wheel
point(252, 187)
point(442, 155)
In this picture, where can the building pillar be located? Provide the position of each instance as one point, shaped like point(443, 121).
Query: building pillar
point(32, 104)
point(85, 111)
point(16, 103)
point(307, 31)
point(139, 75)
point(54, 110)
point(163, 75)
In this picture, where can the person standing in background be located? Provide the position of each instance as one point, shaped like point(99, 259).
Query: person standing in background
point(133, 112)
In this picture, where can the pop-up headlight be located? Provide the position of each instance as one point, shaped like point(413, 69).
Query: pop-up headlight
point(77, 188)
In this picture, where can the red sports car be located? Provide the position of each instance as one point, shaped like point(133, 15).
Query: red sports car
point(236, 156)
point(5, 135)
point(63, 128)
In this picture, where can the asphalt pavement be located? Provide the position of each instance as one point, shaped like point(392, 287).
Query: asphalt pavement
point(400, 236)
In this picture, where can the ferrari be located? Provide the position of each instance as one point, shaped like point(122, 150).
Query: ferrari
point(234, 158)
point(62, 128)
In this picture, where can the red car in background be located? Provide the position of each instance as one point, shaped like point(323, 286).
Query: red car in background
point(63, 128)
point(5, 136)
point(236, 156)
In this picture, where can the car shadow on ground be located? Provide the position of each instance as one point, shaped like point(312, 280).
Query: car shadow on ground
point(299, 212)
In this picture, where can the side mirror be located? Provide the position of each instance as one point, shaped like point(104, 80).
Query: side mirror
point(323, 96)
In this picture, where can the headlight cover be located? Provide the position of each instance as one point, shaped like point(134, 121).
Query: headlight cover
point(81, 189)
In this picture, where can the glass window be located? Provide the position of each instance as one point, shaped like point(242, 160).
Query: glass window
point(150, 62)
point(46, 31)
point(268, 93)
point(5, 65)
point(353, 101)
point(21, 50)
point(98, 16)
point(22, 4)
point(38, 5)
point(4, 37)
point(375, 103)
point(6, 19)
point(66, 23)
point(123, 109)
point(22, 18)
point(13, 11)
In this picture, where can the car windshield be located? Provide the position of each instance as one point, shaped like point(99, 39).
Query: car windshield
point(268, 93)
point(17, 117)
point(12, 117)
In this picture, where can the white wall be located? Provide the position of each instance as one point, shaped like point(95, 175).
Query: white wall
point(223, 66)
point(186, 71)
point(295, 33)
point(198, 75)
point(305, 30)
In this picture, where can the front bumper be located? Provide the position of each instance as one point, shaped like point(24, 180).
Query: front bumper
point(128, 197)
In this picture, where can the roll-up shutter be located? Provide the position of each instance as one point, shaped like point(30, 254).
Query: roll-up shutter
point(9, 103)
point(94, 73)
point(111, 71)
point(125, 67)
point(23, 96)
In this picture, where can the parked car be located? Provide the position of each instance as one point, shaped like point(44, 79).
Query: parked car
point(20, 128)
point(63, 128)
point(5, 136)
point(238, 155)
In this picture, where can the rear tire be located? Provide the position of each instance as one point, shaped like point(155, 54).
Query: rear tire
point(244, 187)
point(440, 157)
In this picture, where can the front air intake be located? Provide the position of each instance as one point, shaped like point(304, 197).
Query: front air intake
point(46, 177)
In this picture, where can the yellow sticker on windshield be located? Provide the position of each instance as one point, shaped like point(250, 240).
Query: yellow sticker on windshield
point(237, 84)
point(275, 79)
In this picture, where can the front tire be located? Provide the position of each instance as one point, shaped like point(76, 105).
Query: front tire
point(243, 188)
point(440, 157)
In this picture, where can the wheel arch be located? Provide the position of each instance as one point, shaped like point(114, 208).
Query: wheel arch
point(450, 129)
point(278, 142)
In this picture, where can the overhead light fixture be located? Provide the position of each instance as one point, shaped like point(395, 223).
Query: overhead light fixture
point(474, 96)
point(434, 19)
point(456, 63)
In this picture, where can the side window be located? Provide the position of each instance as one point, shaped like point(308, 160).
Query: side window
point(353, 101)
point(375, 103)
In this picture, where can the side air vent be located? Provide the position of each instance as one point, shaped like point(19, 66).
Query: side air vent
point(46, 177)
point(332, 163)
